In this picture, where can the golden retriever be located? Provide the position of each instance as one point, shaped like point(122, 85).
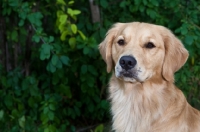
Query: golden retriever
point(144, 58)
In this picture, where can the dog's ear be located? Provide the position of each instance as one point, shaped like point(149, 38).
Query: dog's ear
point(105, 47)
point(175, 54)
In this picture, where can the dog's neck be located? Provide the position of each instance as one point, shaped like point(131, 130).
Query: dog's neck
point(136, 101)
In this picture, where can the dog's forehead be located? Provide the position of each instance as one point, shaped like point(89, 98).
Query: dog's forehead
point(141, 33)
point(140, 29)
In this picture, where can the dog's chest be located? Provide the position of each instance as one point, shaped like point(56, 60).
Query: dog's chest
point(130, 110)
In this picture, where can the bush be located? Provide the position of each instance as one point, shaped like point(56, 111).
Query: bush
point(52, 76)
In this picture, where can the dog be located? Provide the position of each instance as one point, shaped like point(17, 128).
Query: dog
point(143, 97)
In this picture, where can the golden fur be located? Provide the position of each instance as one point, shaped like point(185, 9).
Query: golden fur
point(148, 101)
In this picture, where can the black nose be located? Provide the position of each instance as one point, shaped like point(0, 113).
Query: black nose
point(127, 62)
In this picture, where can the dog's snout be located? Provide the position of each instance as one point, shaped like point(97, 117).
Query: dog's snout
point(127, 62)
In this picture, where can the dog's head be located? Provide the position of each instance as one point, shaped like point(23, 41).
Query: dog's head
point(140, 51)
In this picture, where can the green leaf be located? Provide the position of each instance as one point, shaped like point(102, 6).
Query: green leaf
point(72, 128)
point(86, 50)
point(63, 35)
point(83, 69)
point(104, 104)
point(137, 2)
point(35, 18)
point(177, 30)
point(84, 88)
point(15, 113)
point(71, 2)
point(77, 111)
point(51, 115)
point(76, 12)
point(62, 2)
point(184, 30)
point(22, 121)
point(46, 110)
point(57, 48)
point(42, 56)
point(47, 129)
point(52, 128)
point(23, 15)
point(145, 2)
point(104, 3)
point(52, 107)
point(46, 48)
point(54, 59)
point(44, 118)
point(33, 91)
point(68, 92)
point(154, 2)
point(13, 3)
point(82, 35)
point(64, 60)
point(1, 114)
point(142, 8)
point(51, 67)
point(14, 35)
point(8, 100)
point(65, 90)
point(123, 4)
point(72, 42)
point(189, 40)
point(59, 64)
point(91, 107)
point(59, 12)
point(151, 13)
point(99, 128)
point(36, 38)
point(21, 22)
point(51, 39)
point(74, 28)
point(45, 51)
point(32, 80)
point(31, 102)
point(70, 11)
point(102, 32)
point(21, 107)
point(92, 70)
point(63, 18)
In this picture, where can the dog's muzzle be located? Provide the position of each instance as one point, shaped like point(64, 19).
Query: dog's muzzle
point(127, 62)
point(126, 67)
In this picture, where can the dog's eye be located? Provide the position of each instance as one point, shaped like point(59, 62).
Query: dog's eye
point(150, 45)
point(121, 42)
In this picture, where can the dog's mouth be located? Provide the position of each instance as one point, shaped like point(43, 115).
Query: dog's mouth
point(129, 74)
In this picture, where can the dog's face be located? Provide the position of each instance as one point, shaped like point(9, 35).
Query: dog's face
point(140, 51)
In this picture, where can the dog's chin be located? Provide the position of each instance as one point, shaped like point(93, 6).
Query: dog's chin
point(131, 75)
point(127, 77)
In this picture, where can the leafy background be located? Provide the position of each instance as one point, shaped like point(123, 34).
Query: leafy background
point(52, 77)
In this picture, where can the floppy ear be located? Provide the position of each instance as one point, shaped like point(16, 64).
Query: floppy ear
point(175, 55)
point(105, 47)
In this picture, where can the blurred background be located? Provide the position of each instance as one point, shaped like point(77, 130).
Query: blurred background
point(52, 77)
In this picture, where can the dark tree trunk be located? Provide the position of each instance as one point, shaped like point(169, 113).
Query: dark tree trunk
point(94, 11)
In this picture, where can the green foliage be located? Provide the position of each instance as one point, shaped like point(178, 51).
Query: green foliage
point(53, 86)
point(99, 128)
point(52, 76)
